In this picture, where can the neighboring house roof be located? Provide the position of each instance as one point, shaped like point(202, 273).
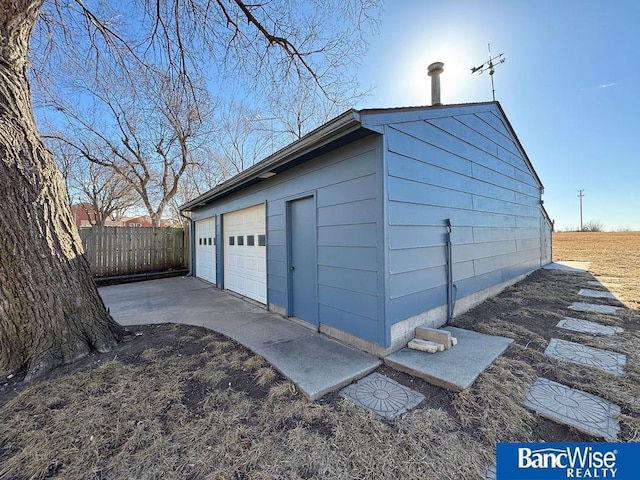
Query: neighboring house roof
point(345, 128)
point(142, 221)
point(85, 216)
point(107, 223)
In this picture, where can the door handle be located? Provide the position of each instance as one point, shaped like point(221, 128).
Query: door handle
point(292, 268)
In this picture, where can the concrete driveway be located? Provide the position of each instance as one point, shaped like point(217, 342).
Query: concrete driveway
point(314, 362)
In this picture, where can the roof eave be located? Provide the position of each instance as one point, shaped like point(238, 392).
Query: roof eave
point(522, 150)
point(340, 125)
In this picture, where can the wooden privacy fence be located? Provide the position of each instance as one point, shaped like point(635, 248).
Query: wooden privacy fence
point(115, 251)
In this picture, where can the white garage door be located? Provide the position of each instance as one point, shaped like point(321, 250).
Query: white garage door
point(245, 252)
point(206, 249)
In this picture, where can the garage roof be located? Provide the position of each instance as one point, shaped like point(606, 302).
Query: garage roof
point(345, 128)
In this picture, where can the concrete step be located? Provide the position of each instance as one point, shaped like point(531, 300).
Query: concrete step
point(434, 335)
point(425, 345)
point(455, 369)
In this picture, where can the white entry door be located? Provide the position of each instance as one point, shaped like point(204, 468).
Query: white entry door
point(245, 252)
point(206, 249)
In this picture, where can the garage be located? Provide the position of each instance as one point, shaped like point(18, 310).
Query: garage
point(245, 252)
point(357, 214)
point(206, 249)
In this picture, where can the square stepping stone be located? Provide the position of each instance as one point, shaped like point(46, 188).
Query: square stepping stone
point(608, 278)
point(382, 396)
point(491, 473)
point(585, 326)
point(595, 283)
point(569, 266)
point(593, 308)
point(587, 292)
point(588, 413)
point(611, 362)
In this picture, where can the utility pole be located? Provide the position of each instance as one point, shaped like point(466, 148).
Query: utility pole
point(580, 194)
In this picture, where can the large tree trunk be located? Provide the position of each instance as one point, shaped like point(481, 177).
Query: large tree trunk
point(50, 310)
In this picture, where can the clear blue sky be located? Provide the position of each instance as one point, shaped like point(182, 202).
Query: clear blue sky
point(570, 87)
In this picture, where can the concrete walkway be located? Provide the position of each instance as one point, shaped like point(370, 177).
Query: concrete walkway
point(314, 362)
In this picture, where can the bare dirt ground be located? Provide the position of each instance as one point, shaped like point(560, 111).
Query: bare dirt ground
point(182, 402)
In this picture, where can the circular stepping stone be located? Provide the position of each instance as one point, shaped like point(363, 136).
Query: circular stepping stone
point(382, 396)
point(586, 412)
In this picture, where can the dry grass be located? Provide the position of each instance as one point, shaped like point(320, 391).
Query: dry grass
point(94, 425)
point(190, 404)
point(493, 407)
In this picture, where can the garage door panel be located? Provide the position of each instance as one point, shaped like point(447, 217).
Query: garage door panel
point(245, 260)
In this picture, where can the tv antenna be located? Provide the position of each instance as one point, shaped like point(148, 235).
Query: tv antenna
point(491, 66)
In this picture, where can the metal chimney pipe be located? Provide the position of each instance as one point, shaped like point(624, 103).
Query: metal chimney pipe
point(434, 70)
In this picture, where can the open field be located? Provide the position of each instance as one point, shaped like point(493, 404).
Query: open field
point(614, 255)
point(183, 402)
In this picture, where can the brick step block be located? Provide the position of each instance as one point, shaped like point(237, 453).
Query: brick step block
point(434, 335)
point(425, 345)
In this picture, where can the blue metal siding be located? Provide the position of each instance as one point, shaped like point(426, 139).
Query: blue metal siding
point(422, 171)
point(412, 213)
point(492, 234)
point(415, 236)
point(408, 259)
point(415, 302)
point(359, 281)
point(356, 258)
point(495, 277)
point(476, 251)
point(358, 235)
point(486, 129)
point(493, 119)
point(425, 279)
point(401, 141)
point(363, 327)
point(344, 183)
point(408, 191)
point(546, 250)
point(360, 188)
point(361, 212)
point(465, 167)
